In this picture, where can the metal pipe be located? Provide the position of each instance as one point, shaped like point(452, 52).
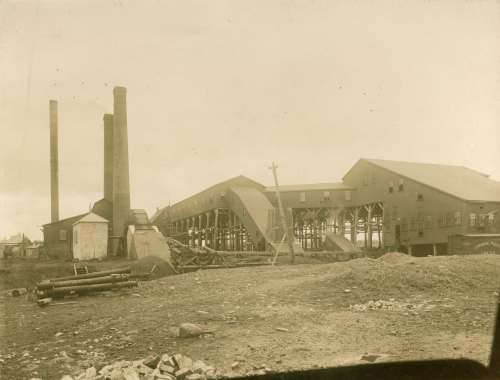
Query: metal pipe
point(87, 281)
point(92, 275)
point(59, 292)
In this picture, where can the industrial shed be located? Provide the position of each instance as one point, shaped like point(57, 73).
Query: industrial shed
point(90, 238)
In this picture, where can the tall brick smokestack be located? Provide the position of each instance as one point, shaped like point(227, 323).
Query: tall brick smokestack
point(121, 184)
point(108, 157)
point(54, 163)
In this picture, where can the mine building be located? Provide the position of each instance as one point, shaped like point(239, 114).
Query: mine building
point(412, 207)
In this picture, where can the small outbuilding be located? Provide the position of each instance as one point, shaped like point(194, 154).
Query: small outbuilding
point(90, 237)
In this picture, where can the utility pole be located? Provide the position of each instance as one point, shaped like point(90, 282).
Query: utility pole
point(282, 212)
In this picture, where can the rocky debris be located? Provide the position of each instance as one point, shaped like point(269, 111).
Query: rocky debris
point(187, 330)
point(395, 305)
point(165, 367)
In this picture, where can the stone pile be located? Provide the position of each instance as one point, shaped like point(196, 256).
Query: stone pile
point(166, 367)
point(388, 305)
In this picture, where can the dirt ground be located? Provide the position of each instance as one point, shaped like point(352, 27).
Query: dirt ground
point(450, 307)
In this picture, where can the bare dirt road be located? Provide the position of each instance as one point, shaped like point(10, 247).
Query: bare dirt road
point(285, 317)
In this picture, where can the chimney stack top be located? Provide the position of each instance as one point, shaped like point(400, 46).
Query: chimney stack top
point(119, 90)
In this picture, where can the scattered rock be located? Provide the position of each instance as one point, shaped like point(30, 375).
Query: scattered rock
point(347, 291)
point(281, 329)
point(58, 334)
point(187, 330)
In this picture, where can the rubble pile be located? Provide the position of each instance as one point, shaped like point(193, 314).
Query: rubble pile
point(166, 367)
point(392, 304)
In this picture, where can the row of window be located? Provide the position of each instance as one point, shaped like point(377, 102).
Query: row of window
point(481, 221)
point(326, 196)
point(211, 201)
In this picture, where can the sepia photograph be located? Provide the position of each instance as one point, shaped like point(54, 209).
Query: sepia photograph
point(204, 190)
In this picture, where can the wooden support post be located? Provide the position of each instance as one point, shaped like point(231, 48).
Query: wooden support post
point(200, 234)
point(314, 226)
point(434, 248)
point(365, 233)
point(216, 230)
point(382, 242)
point(231, 231)
point(183, 235)
point(356, 218)
point(370, 231)
point(283, 218)
point(409, 249)
point(208, 240)
point(193, 237)
point(379, 227)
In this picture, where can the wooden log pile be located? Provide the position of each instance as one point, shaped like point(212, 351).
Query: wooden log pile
point(187, 258)
point(111, 282)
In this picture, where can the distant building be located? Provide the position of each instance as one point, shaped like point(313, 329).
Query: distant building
point(17, 244)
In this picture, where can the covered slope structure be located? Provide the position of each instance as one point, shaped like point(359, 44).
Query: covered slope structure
point(256, 213)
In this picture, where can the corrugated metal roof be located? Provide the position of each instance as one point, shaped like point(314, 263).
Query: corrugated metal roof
point(256, 204)
point(91, 218)
point(313, 186)
point(458, 181)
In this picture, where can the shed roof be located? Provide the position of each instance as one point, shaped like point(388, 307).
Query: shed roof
point(76, 217)
point(91, 218)
point(459, 181)
point(313, 186)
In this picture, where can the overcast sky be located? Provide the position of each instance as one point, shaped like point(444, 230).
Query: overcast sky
point(222, 88)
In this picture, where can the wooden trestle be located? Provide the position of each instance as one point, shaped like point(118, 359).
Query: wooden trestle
point(218, 229)
point(311, 223)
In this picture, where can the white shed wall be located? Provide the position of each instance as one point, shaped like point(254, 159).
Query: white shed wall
point(92, 241)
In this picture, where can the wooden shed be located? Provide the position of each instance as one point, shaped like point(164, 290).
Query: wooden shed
point(90, 238)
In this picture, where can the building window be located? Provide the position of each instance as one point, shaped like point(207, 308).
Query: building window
point(387, 226)
point(222, 196)
point(401, 186)
point(481, 220)
point(458, 218)
point(440, 220)
point(395, 212)
point(347, 195)
point(365, 180)
point(472, 219)
point(183, 209)
point(75, 237)
point(491, 220)
point(326, 195)
point(404, 226)
point(420, 213)
point(195, 204)
point(202, 202)
point(420, 229)
point(448, 219)
point(244, 211)
point(374, 177)
point(62, 234)
point(302, 196)
point(391, 187)
point(420, 193)
point(413, 223)
point(428, 221)
point(174, 213)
